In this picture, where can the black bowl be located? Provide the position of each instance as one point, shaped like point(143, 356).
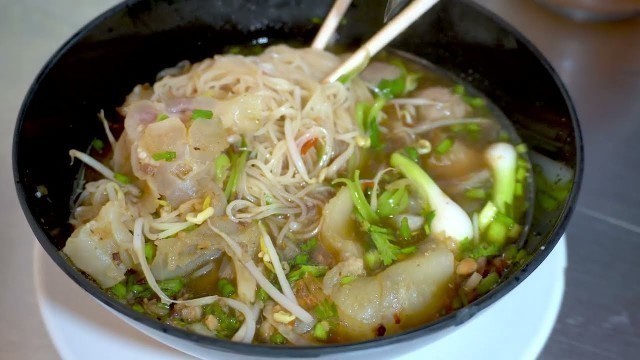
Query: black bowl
point(131, 42)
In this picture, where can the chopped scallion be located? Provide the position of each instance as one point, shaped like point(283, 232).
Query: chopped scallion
point(119, 290)
point(427, 223)
point(347, 279)
point(149, 251)
point(521, 148)
point(497, 233)
point(162, 117)
point(226, 288)
point(488, 283)
point(121, 178)
point(444, 146)
point(476, 193)
point(411, 153)
point(201, 114)
point(372, 259)
point(97, 144)
point(392, 202)
point(405, 231)
point(171, 287)
point(458, 89)
point(261, 294)
point(309, 245)
point(321, 330)
point(301, 259)
point(165, 155)
point(222, 165)
point(277, 339)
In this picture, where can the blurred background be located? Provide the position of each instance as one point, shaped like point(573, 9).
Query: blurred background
point(594, 45)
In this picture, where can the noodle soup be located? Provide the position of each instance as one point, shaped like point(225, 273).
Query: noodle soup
point(248, 200)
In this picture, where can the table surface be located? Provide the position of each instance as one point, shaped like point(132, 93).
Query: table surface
point(600, 64)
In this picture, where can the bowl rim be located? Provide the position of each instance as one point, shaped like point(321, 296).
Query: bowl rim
point(452, 319)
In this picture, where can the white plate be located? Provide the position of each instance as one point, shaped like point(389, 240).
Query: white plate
point(83, 329)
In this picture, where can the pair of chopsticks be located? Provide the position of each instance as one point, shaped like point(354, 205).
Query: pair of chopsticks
point(378, 41)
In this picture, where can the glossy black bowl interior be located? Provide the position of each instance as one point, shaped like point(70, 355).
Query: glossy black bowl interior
point(130, 43)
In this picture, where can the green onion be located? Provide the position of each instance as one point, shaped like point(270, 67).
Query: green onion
point(497, 233)
point(391, 88)
point(300, 272)
point(165, 155)
point(301, 259)
point(277, 338)
point(409, 250)
point(347, 279)
point(226, 288)
point(473, 127)
point(137, 307)
point(503, 136)
point(222, 166)
point(190, 228)
point(149, 251)
point(522, 255)
point(321, 331)
point(374, 135)
point(326, 311)
point(475, 101)
point(458, 89)
point(359, 200)
point(521, 174)
point(488, 283)
point(234, 50)
point(229, 324)
point(510, 252)
point(405, 231)
point(162, 117)
point(487, 214)
point(261, 294)
point(121, 178)
point(353, 73)
point(171, 287)
point(316, 20)
point(236, 171)
point(393, 202)
point(119, 290)
point(412, 153)
point(372, 259)
point(201, 114)
point(468, 248)
point(547, 202)
point(97, 144)
point(374, 130)
point(476, 193)
point(521, 148)
point(427, 223)
point(140, 290)
point(444, 146)
point(309, 245)
point(382, 238)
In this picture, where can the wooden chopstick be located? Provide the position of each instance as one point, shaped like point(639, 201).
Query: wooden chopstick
point(330, 23)
point(383, 37)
